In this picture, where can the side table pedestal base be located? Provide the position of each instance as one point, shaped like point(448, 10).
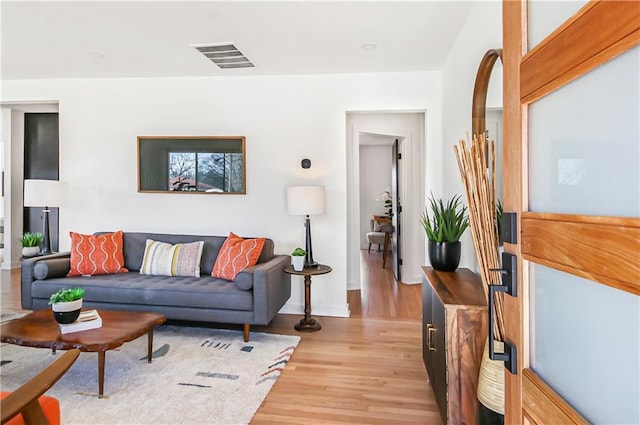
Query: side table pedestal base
point(308, 325)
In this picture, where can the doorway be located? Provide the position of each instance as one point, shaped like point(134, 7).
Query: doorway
point(13, 121)
point(409, 128)
point(379, 195)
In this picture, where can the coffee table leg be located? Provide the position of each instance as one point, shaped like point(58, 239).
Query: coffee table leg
point(101, 356)
point(150, 346)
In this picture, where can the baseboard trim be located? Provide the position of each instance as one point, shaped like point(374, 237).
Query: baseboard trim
point(332, 311)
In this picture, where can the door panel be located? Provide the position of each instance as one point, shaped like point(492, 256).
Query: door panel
point(585, 343)
point(545, 16)
point(575, 166)
point(440, 356)
point(551, 178)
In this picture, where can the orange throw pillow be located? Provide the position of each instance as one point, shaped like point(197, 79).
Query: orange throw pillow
point(236, 254)
point(96, 254)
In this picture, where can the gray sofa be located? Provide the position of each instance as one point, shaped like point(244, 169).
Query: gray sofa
point(253, 298)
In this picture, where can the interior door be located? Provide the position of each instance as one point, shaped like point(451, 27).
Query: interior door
point(571, 163)
point(396, 217)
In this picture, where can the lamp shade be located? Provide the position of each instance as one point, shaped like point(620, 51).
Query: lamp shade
point(44, 193)
point(305, 200)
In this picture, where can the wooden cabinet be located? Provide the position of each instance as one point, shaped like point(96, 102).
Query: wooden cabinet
point(454, 330)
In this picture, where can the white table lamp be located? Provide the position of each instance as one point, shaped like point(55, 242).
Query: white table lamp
point(306, 200)
point(45, 193)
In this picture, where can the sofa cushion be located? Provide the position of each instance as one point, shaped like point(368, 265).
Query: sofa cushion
point(133, 288)
point(236, 255)
point(165, 259)
point(96, 254)
point(135, 243)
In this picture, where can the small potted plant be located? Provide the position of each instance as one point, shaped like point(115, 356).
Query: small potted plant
point(30, 242)
point(66, 304)
point(444, 229)
point(297, 259)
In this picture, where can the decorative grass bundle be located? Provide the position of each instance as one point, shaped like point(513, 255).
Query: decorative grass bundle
point(480, 185)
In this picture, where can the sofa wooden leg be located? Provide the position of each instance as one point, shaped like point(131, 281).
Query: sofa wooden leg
point(369, 249)
point(246, 332)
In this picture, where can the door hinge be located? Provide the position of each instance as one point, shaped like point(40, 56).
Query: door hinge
point(509, 285)
point(399, 209)
point(400, 261)
point(399, 156)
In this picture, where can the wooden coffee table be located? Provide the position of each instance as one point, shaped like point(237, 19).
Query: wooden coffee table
point(39, 329)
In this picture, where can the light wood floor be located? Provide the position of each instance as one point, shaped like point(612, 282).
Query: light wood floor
point(365, 369)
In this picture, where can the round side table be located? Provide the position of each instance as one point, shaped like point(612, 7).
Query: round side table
point(308, 323)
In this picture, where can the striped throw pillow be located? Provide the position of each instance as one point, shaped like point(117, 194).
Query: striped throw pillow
point(165, 259)
point(236, 254)
point(96, 254)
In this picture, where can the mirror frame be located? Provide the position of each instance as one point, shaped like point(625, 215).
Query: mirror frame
point(479, 102)
point(180, 139)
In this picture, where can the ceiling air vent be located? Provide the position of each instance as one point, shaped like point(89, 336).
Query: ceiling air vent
point(225, 55)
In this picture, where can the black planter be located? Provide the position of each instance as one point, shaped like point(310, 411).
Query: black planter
point(444, 256)
point(486, 416)
point(65, 317)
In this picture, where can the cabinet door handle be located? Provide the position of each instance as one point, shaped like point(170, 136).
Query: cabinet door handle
point(430, 331)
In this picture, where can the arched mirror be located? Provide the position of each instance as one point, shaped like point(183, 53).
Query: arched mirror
point(481, 88)
point(486, 110)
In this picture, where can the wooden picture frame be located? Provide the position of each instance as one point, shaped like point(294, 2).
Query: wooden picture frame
point(212, 165)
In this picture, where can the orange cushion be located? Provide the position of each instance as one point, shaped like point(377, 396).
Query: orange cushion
point(50, 405)
point(236, 254)
point(96, 254)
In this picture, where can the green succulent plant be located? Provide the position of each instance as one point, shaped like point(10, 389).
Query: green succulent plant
point(31, 239)
point(448, 220)
point(299, 252)
point(66, 295)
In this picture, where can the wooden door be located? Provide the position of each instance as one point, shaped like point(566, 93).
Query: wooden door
point(573, 250)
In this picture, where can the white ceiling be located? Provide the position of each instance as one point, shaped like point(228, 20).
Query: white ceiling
point(86, 39)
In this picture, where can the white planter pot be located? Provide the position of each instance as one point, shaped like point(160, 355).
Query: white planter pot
point(30, 251)
point(67, 306)
point(298, 262)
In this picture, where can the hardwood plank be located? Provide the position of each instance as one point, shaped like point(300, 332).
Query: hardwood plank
point(364, 369)
point(514, 45)
point(618, 27)
point(544, 405)
point(602, 249)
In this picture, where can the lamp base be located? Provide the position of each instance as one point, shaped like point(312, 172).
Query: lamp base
point(46, 247)
point(311, 265)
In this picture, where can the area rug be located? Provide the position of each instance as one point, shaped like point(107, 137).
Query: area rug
point(198, 376)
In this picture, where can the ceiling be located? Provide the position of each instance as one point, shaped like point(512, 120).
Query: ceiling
point(94, 39)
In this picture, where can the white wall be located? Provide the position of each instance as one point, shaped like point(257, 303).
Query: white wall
point(375, 178)
point(284, 118)
point(482, 31)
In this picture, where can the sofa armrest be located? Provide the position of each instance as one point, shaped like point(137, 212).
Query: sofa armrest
point(271, 288)
point(26, 278)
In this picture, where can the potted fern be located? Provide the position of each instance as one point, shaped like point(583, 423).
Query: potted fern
point(444, 228)
point(30, 242)
point(66, 304)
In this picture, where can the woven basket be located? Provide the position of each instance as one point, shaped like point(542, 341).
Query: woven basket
point(491, 379)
